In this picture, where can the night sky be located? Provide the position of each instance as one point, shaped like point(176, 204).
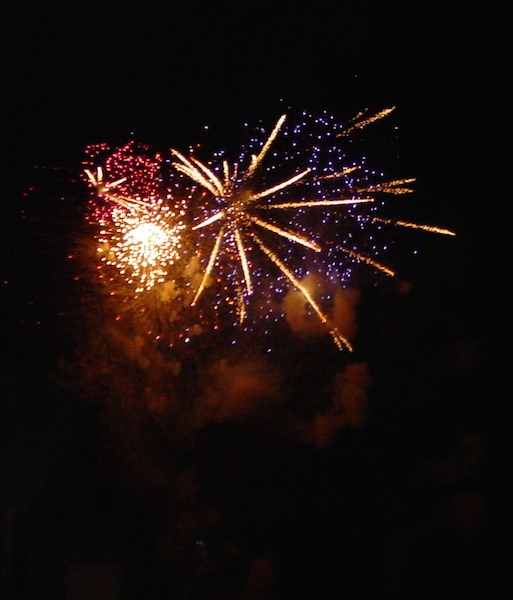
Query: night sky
point(402, 505)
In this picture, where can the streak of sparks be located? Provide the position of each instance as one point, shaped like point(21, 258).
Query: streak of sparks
point(339, 339)
point(359, 121)
point(429, 228)
point(391, 187)
point(367, 259)
point(210, 266)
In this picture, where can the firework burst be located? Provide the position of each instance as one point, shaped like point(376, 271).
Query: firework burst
point(293, 204)
point(141, 243)
point(245, 215)
point(138, 229)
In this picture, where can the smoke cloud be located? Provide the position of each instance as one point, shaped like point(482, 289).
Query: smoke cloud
point(234, 390)
point(349, 407)
point(302, 318)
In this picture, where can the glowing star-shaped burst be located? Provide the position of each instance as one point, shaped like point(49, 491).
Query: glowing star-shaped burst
point(142, 243)
point(241, 220)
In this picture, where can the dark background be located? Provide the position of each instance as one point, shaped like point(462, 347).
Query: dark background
point(74, 74)
point(158, 72)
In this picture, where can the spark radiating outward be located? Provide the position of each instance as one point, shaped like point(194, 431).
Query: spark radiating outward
point(108, 190)
point(293, 204)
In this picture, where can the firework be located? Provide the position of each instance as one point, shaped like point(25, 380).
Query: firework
point(139, 231)
point(245, 213)
point(141, 243)
point(294, 203)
